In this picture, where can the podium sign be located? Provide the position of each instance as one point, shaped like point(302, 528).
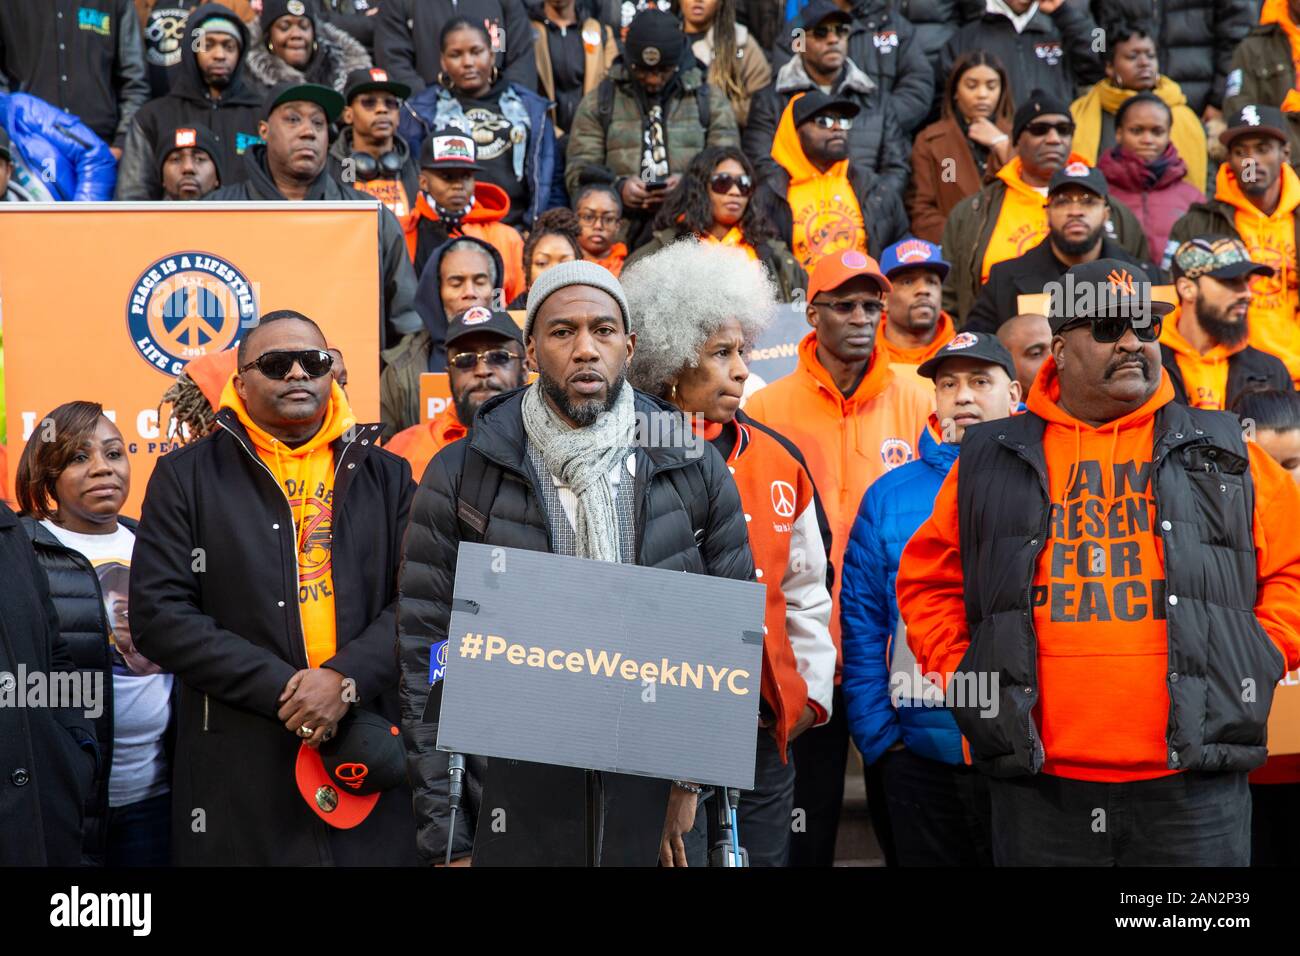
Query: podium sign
point(603, 666)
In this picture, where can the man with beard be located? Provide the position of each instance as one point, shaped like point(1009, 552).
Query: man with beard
point(187, 165)
point(915, 328)
point(1203, 345)
point(557, 467)
point(1006, 218)
point(1100, 581)
point(485, 357)
point(209, 91)
point(1078, 212)
point(1256, 196)
point(368, 154)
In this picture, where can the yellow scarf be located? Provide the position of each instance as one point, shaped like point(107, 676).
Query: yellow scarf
point(1276, 11)
point(1187, 133)
point(827, 217)
point(306, 476)
point(734, 238)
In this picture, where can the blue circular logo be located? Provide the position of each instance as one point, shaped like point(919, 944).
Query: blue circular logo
point(187, 305)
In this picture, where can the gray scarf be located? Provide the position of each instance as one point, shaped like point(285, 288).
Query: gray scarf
point(582, 458)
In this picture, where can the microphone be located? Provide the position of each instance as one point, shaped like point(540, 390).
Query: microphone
point(456, 787)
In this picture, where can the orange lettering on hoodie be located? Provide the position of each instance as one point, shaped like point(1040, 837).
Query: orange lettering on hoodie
point(306, 476)
point(1205, 375)
point(825, 210)
point(1271, 241)
point(1278, 11)
point(1022, 220)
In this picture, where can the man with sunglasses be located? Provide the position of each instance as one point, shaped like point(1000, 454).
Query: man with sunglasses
point(877, 141)
point(209, 90)
point(1204, 343)
point(485, 357)
point(265, 574)
point(854, 419)
point(369, 155)
point(1109, 590)
point(1008, 217)
point(1078, 210)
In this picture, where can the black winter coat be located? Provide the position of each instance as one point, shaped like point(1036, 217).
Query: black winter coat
point(232, 120)
point(935, 22)
point(1194, 39)
point(84, 626)
point(689, 518)
point(48, 756)
point(407, 32)
point(1053, 54)
point(232, 635)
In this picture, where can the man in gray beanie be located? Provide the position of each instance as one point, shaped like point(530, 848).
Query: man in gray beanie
point(557, 466)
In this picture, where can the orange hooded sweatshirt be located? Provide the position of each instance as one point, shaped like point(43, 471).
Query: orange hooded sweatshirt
point(847, 442)
point(1204, 375)
point(904, 360)
point(419, 443)
point(1098, 589)
point(1271, 240)
point(483, 221)
point(1022, 220)
point(306, 476)
point(823, 206)
point(1278, 11)
point(614, 261)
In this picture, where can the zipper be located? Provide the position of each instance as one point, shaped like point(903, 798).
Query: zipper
point(205, 713)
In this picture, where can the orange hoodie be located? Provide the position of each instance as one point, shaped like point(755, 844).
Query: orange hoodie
point(614, 261)
point(1279, 12)
point(823, 206)
point(1098, 589)
point(419, 443)
point(306, 476)
point(1022, 220)
point(1205, 375)
point(847, 442)
point(904, 360)
point(483, 221)
point(1271, 240)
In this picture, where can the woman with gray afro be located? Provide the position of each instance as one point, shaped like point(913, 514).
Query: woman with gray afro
point(699, 307)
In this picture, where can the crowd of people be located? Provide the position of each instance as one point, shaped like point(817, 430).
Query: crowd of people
point(1023, 508)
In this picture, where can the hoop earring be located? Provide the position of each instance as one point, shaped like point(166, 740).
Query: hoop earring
point(314, 46)
point(496, 74)
point(441, 80)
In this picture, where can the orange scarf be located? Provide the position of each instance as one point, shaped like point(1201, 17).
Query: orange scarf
point(733, 238)
point(1276, 11)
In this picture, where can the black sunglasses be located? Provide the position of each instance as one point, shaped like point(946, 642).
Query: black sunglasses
point(1109, 329)
point(870, 307)
point(278, 364)
point(1064, 128)
point(722, 183)
point(496, 358)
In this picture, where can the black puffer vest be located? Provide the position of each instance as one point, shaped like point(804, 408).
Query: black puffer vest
point(1222, 667)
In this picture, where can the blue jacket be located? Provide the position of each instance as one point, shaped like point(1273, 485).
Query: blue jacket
point(79, 162)
point(893, 508)
point(417, 123)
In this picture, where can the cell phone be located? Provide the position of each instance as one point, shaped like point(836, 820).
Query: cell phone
point(656, 185)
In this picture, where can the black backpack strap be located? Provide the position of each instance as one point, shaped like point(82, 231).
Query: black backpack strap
point(703, 105)
point(479, 484)
point(605, 104)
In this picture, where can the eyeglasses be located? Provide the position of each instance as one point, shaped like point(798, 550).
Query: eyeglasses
point(871, 308)
point(1110, 329)
point(588, 218)
point(1064, 128)
point(831, 122)
point(495, 358)
point(370, 102)
point(822, 32)
point(279, 363)
point(1087, 201)
point(723, 183)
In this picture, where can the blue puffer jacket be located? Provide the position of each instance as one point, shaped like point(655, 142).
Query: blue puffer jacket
point(80, 164)
point(545, 183)
point(891, 511)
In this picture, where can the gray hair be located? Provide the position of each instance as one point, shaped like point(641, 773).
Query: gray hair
point(470, 245)
point(681, 295)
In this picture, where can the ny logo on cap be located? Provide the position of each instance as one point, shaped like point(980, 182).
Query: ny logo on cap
point(186, 137)
point(1121, 281)
point(1250, 116)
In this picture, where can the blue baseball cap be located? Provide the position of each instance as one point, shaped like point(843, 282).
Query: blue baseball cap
point(913, 253)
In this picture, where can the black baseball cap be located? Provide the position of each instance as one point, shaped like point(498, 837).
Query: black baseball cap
point(330, 100)
point(980, 346)
point(814, 102)
point(1255, 119)
point(481, 319)
point(449, 148)
point(1101, 289)
point(818, 11)
point(343, 778)
point(373, 80)
point(1081, 175)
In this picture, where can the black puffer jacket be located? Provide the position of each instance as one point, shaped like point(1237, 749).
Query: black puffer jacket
point(936, 21)
point(79, 603)
point(689, 518)
point(1194, 39)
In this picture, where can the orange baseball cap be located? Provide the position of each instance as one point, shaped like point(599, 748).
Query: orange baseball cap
point(839, 267)
point(344, 778)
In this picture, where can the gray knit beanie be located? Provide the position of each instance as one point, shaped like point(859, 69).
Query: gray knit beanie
point(576, 272)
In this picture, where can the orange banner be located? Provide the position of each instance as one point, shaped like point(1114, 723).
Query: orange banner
point(107, 303)
point(435, 394)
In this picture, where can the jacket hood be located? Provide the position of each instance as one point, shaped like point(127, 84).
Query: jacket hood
point(337, 54)
point(261, 182)
point(341, 148)
point(428, 297)
point(490, 205)
point(1012, 174)
point(1170, 336)
point(1228, 190)
point(189, 84)
point(794, 78)
point(338, 419)
point(878, 378)
point(789, 154)
point(933, 450)
point(1126, 171)
point(1045, 396)
point(1276, 11)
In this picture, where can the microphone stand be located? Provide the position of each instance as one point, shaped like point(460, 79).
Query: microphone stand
point(595, 816)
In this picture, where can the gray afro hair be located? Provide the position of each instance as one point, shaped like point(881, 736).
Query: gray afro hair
point(681, 295)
